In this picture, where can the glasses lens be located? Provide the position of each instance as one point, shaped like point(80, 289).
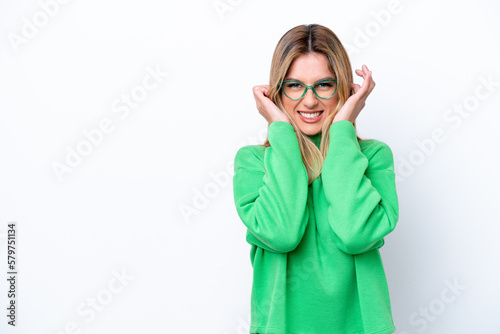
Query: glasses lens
point(293, 90)
point(325, 89)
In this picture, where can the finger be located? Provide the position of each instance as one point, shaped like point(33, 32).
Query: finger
point(355, 87)
point(363, 71)
point(366, 70)
point(257, 90)
point(260, 90)
point(371, 83)
point(360, 72)
point(366, 85)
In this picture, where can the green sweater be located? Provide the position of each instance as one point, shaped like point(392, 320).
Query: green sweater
point(315, 248)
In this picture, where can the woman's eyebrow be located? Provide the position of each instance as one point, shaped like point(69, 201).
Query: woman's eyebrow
point(288, 78)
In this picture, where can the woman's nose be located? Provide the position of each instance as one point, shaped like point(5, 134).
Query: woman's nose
point(309, 98)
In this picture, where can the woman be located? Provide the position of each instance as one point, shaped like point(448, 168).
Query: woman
point(316, 199)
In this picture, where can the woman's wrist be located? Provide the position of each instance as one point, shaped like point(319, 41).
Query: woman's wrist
point(342, 119)
point(283, 119)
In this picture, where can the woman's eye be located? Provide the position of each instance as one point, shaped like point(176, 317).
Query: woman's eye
point(325, 84)
point(294, 85)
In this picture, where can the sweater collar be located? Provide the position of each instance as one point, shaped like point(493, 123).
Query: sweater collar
point(316, 138)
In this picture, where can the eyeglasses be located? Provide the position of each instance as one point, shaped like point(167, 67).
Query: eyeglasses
point(295, 90)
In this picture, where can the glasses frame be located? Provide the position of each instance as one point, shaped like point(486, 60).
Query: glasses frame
point(309, 87)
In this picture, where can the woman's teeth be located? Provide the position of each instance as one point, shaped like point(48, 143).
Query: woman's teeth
point(309, 115)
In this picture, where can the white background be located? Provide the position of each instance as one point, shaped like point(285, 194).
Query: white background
point(121, 208)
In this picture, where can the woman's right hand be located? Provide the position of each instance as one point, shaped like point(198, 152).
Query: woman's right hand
point(266, 107)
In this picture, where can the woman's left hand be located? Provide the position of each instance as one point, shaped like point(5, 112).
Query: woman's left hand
point(352, 107)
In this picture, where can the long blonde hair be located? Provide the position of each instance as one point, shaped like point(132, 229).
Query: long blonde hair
point(301, 40)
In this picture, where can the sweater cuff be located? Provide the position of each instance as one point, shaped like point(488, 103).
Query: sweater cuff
point(280, 131)
point(343, 131)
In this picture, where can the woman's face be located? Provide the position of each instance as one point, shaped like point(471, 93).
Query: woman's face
point(310, 68)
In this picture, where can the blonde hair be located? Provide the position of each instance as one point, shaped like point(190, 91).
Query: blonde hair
point(301, 40)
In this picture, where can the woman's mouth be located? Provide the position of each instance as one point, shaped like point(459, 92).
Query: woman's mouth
point(310, 116)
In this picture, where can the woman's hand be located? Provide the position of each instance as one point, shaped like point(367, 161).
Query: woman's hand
point(352, 107)
point(266, 107)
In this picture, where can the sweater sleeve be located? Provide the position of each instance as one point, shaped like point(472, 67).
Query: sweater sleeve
point(271, 193)
point(360, 190)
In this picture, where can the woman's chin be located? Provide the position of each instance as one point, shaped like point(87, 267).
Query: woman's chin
point(311, 129)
